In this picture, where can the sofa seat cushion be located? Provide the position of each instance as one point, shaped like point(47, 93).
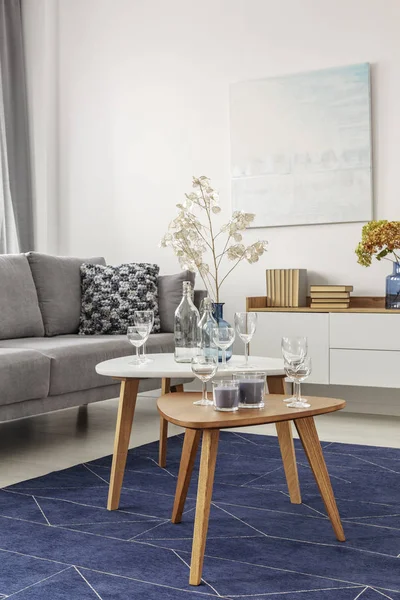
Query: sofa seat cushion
point(74, 357)
point(58, 284)
point(24, 375)
point(19, 308)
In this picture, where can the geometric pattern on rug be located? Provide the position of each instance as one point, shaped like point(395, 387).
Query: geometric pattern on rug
point(58, 541)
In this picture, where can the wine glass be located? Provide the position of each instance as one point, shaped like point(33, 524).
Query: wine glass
point(245, 323)
point(137, 335)
point(294, 349)
point(298, 373)
point(223, 338)
point(144, 317)
point(204, 367)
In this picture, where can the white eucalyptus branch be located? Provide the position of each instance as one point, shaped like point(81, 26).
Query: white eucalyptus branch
point(194, 241)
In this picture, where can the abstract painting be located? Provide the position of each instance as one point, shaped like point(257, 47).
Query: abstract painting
point(301, 147)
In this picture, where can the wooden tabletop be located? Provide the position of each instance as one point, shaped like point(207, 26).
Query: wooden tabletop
point(178, 408)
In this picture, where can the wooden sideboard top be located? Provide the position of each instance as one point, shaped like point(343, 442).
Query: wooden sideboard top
point(358, 304)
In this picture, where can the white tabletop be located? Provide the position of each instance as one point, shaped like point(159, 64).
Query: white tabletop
point(164, 365)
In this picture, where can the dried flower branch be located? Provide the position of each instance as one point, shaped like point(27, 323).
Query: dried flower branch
point(379, 238)
point(192, 240)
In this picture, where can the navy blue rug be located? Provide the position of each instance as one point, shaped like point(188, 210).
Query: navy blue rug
point(57, 540)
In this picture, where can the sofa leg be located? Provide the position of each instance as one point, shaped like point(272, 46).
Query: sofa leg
point(82, 418)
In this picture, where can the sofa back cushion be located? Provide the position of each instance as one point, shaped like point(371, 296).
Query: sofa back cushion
point(19, 308)
point(58, 285)
point(169, 297)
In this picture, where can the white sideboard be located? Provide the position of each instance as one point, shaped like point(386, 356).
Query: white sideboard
point(272, 326)
point(347, 348)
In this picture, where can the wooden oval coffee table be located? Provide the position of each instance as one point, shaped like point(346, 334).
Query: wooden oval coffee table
point(204, 421)
point(165, 367)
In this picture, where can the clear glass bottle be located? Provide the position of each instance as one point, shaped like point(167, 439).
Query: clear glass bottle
point(186, 328)
point(206, 326)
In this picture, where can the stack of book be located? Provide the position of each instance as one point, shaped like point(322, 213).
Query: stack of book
point(287, 287)
point(330, 296)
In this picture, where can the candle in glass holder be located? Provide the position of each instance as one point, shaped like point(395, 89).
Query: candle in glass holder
point(226, 395)
point(251, 389)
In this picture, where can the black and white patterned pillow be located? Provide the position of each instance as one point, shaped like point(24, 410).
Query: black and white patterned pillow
point(110, 296)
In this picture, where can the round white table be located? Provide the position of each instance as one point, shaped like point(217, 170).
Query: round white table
point(164, 366)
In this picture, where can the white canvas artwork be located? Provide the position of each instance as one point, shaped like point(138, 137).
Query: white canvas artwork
point(301, 147)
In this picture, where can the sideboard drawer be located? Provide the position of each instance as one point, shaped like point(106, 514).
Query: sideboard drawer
point(272, 326)
point(371, 368)
point(364, 331)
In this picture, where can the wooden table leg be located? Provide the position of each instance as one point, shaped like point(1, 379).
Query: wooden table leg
point(189, 450)
point(165, 385)
point(276, 385)
point(162, 448)
point(204, 493)
point(126, 411)
point(312, 447)
point(166, 388)
point(286, 444)
point(177, 388)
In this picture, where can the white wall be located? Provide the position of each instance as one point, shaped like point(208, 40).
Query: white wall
point(143, 105)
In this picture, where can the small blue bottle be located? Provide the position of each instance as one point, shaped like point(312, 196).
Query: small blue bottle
point(393, 288)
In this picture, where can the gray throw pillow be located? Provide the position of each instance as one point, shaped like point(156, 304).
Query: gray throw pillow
point(19, 308)
point(169, 297)
point(58, 285)
point(111, 295)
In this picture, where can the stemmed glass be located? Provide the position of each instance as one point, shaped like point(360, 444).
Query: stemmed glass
point(204, 367)
point(223, 338)
point(245, 323)
point(294, 351)
point(144, 317)
point(298, 373)
point(137, 335)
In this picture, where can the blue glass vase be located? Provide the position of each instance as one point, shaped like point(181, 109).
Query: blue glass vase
point(218, 314)
point(393, 288)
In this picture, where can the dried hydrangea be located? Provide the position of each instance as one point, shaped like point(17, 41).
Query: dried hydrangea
point(379, 238)
point(194, 241)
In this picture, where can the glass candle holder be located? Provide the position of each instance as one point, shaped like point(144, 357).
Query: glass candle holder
point(226, 395)
point(251, 389)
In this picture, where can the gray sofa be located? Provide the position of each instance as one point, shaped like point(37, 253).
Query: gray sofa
point(44, 364)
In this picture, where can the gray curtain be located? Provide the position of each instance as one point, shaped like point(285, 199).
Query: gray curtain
point(16, 213)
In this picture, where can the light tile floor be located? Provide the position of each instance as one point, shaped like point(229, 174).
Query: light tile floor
point(38, 445)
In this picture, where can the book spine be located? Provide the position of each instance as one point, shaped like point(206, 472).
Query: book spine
point(272, 276)
point(283, 288)
point(295, 288)
point(268, 278)
point(277, 287)
point(320, 305)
